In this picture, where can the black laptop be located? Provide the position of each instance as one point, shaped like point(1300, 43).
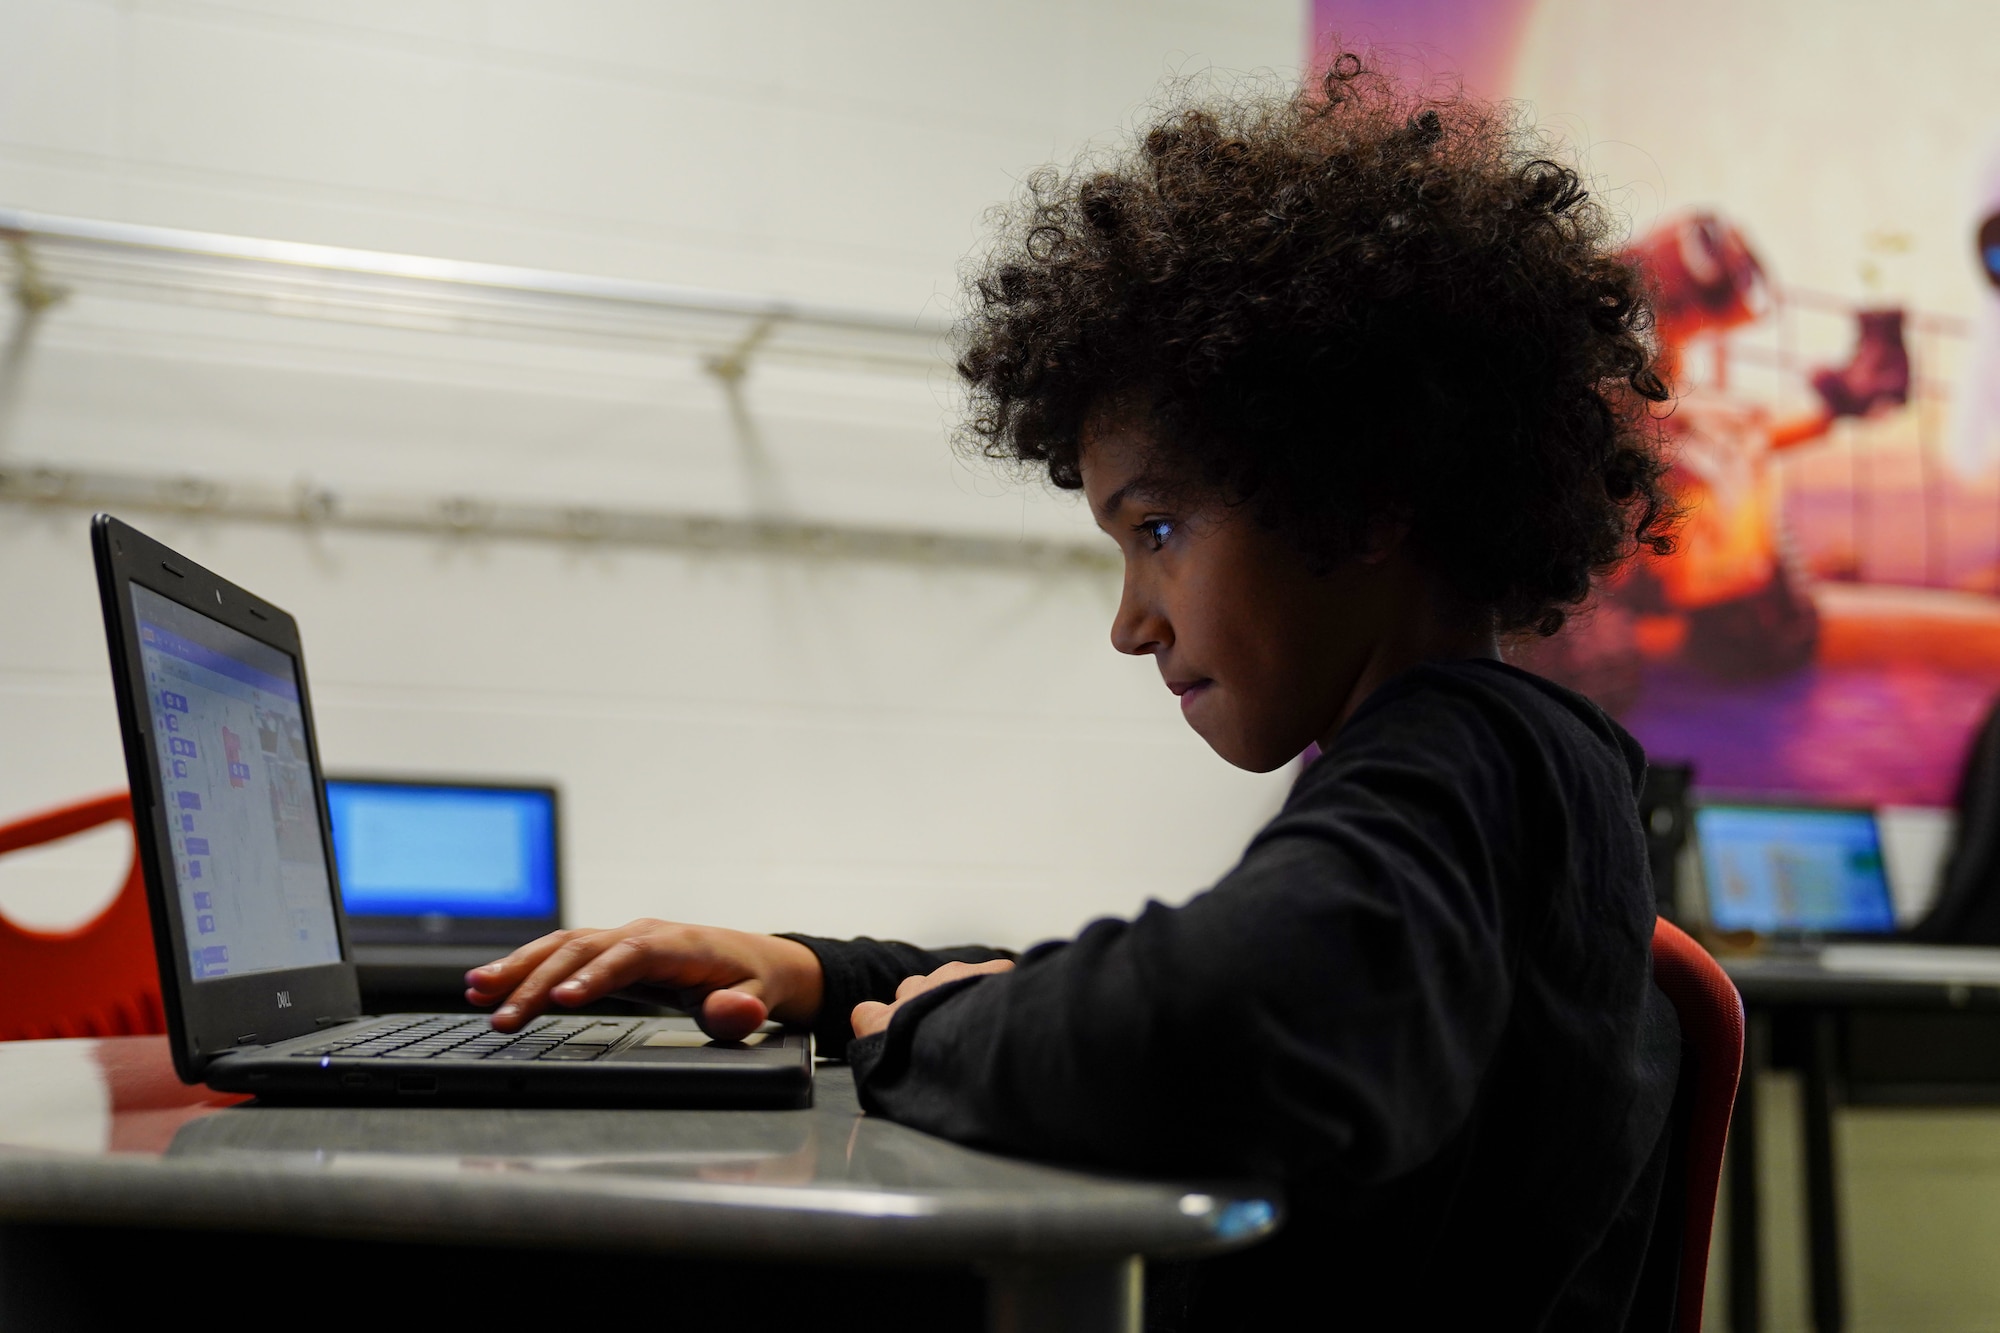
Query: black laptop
point(256, 961)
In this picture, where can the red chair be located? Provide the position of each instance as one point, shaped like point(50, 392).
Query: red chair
point(99, 980)
point(1711, 1014)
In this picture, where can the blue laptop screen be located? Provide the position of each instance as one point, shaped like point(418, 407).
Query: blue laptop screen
point(408, 849)
point(1777, 869)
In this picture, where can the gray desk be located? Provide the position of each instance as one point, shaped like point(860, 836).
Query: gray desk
point(99, 1134)
point(1869, 1024)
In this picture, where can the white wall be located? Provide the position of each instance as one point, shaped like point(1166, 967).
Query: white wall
point(840, 151)
point(837, 746)
point(1916, 843)
point(1819, 126)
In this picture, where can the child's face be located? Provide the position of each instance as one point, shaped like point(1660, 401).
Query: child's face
point(1266, 656)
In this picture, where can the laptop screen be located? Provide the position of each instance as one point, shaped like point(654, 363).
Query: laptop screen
point(248, 861)
point(1775, 868)
point(409, 849)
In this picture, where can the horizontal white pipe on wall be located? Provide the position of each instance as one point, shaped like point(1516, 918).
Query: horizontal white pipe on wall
point(51, 257)
point(447, 295)
point(305, 505)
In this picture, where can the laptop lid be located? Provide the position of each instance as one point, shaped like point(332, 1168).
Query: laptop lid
point(1793, 869)
point(444, 862)
point(227, 801)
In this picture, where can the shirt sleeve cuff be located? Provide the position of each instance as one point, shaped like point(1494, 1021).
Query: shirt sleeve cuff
point(843, 984)
point(881, 1058)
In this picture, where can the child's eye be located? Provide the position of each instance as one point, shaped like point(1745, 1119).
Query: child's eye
point(1156, 531)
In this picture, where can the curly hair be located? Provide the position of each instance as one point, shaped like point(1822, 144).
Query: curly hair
point(1341, 306)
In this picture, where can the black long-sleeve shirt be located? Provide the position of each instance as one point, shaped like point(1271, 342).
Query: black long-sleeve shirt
point(1421, 1004)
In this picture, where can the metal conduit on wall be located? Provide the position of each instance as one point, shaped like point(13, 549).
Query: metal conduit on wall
point(49, 257)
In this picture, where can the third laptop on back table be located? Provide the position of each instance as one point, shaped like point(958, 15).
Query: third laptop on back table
point(1794, 873)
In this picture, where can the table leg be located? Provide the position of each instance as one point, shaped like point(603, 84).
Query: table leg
point(1822, 1198)
point(1746, 1236)
point(1106, 1297)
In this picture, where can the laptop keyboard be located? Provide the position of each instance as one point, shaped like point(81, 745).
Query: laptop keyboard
point(471, 1037)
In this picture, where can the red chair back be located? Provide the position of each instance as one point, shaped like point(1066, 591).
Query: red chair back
point(99, 980)
point(1711, 1014)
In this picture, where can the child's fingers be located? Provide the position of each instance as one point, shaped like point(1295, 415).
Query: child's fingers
point(949, 972)
point(664, 957)
point(617, 964)
point(651, 953)
point(530, 995)
point(496, 978)
point(716, 975)
point(871, 1016)
point(732, 1013)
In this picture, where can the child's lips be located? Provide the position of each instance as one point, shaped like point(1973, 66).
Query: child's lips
point(1189, 690)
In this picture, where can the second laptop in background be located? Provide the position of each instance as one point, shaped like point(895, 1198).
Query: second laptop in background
point(440, 876)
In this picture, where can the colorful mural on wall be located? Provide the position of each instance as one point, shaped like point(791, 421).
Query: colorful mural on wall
point(1818, 202)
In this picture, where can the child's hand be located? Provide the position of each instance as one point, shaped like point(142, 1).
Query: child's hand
point(730, 980)
point(871, 1016)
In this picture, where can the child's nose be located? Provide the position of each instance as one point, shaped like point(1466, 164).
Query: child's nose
point(1138, 628)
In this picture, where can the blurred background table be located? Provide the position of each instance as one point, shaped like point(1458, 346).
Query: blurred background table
point(1863, 1024)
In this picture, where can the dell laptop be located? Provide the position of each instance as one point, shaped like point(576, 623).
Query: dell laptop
point(256, 959)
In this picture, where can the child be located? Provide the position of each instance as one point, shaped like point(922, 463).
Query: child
point(1358, 384)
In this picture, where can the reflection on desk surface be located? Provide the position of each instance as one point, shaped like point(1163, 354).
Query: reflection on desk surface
point(119, 1097)
point(103, 1132)
point(741, 1147)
